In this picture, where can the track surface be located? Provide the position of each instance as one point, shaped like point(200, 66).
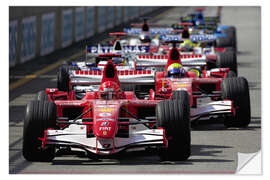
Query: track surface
point(214, 148)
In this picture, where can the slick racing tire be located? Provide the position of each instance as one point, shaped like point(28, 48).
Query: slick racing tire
point(231, 35)
point(174, 117)
point(63, 78)
point(41, 96)
point(223, 42)
point(39, 116)
point(128, 87)
point(179, 95)
point(236, 89)
point(231, 74)
point(230, 49)
point(227, 60)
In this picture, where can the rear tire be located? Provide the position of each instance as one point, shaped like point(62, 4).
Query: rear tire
point(231, 74)
point(227, 60)
point(63, 78)
point(128, 87)
point(174, 117)
point(223, 42)
point(237, 90)
point(231, 35)
point(42, 96)
point(39, 116)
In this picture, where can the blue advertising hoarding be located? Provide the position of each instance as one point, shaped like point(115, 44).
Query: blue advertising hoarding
point(110, 16)
point(90, 21)
point(47, 33)
point(13, 35)
point(29, 35)
point(101, 19)
point(66, 27)
point(79, 23)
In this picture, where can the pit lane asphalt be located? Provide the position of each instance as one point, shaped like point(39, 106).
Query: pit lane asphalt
point(214, 148)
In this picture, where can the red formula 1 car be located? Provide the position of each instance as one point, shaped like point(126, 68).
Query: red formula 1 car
point(105, 122)
point(211, 95)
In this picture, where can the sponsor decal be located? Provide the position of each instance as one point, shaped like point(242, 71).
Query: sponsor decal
point(105, 114)
point(105, 119)
point(105, 106)
point(104, 128)
point(105, 109)
point(71, 103)
point(181, 89)
point(181, 85)
point(52, 90)
point(104, 133)
point(109, 49)
point(104, 124)
point(106, 103)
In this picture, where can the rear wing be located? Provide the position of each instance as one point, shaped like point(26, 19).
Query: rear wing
point(161, 60)
point(193, 37)
point(152, 31)
point(96, 50)
point(94, 77)
point(212, 19)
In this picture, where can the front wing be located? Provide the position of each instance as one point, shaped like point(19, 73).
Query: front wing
point(75, 136)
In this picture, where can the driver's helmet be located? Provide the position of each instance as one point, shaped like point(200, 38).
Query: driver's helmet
point(119, 60)
point(145, 38)
point(109, 90)
point(187, 45)
point(176, 70)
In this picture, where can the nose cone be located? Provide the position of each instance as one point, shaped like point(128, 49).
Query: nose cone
point(106, 129)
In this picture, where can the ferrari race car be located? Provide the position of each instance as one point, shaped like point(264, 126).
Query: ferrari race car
point(81, 77)
point(192, 59)
point(214, 95)
point(105, 122)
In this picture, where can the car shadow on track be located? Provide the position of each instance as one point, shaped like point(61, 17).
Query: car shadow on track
point(149, 157)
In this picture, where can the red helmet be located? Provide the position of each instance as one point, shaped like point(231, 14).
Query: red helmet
point(109, 90)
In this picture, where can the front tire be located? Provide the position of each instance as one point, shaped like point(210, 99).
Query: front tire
point(237, 90)
point(39, 116)
point(227, 60)
point(174, 117)
point(63, 78)
point(42, 96)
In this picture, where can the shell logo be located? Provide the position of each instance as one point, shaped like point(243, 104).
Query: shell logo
point(181, 85)
point(105, 109)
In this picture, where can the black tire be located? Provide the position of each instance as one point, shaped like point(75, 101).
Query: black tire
point(227, 60)
point(231, 35)
point(128, 87)
point(174, 117)
point(230, 49)
point(231, 74)
point(237, 90)
point(223, 42)
point(179, 95)
point(63, 78)
point(42, 96)
point(39, 115)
